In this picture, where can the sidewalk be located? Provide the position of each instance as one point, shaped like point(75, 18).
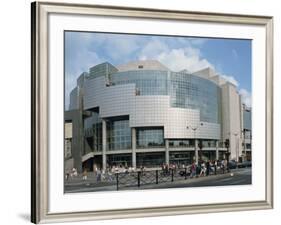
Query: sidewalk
point(177, 182)
point(90, 185)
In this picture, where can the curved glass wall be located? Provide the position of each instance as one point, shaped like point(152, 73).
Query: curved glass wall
point(118, 135)
point(148, 82)
point(150, 137)
point(185, 90)
point(193, 92)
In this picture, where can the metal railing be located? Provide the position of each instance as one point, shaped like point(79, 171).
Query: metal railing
point(140, 178)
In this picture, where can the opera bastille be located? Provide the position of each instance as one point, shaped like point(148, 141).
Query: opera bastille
point(143, 114)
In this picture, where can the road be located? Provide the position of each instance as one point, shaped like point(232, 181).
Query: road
point(236, 177)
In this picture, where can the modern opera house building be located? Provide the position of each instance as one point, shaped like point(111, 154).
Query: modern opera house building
point(144, 114)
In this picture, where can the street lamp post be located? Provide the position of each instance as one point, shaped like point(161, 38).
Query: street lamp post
point(244, 145)
point(199, 145)
point(227, 154)
point(237, 147)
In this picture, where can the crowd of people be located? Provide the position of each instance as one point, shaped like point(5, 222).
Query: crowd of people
point(202, 168)
point(205, 168)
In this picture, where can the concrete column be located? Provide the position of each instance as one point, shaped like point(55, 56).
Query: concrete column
point(217, 150)
point(103, 144)
point(134, 140)
point(167, 156)
point(196, 151)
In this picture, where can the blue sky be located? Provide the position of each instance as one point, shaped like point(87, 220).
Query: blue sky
point(231, 58)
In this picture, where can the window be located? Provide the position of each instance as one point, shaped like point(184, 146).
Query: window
point(150, 137)
point(181, 143)
point(118, 135)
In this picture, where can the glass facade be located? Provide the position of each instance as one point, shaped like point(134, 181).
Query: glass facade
point(193, 92)
point(181, 143)
point(185, 90)
point(208, 155)
point(180, 158)
point(150, 159)
point(93, 129)
point(103, 69)
point(148, 82)
point(208, 143)
point(150, 137)
point(119, 159)
point(118, 135)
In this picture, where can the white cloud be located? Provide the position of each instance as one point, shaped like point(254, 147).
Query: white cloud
point(176, 59)
point(120, 46)
point(246, 97)
point(152, 49)
point(184, 58)
point(78, 58)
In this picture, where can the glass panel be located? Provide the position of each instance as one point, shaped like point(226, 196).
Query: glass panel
point(189, 91)
point(181, 143)
point(93, 129)
point(208, 143)
point(182, 158)
point(148, 82)
point(118, 135)
point(151, 159)
point(124, 160)
point(150, 137)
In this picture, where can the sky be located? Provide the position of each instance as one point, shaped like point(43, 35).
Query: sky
point(230, 58)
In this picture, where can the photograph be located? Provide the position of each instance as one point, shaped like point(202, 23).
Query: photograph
point(141, 112)
point(146, 111)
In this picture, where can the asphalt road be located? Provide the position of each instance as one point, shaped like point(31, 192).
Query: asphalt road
point(236, 177)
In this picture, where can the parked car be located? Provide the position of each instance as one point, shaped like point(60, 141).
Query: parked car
point(244, 164)
point(232, 164)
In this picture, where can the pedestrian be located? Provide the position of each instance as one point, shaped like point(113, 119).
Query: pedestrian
point(198, 169)
point(208, 168)
point(223, 165)
point(167, 169)
point(215, 166)
point(193, 170)
point(98, 175)
point(103, 175)
point(84, 177)
point(67, 175)
point(203, 169)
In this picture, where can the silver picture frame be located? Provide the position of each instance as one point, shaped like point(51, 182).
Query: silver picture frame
point(40, 103)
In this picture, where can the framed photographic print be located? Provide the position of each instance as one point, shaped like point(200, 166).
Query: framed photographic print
point(147, 112)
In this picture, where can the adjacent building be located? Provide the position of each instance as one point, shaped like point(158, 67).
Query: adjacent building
point(247, 132)
point(144, 114)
